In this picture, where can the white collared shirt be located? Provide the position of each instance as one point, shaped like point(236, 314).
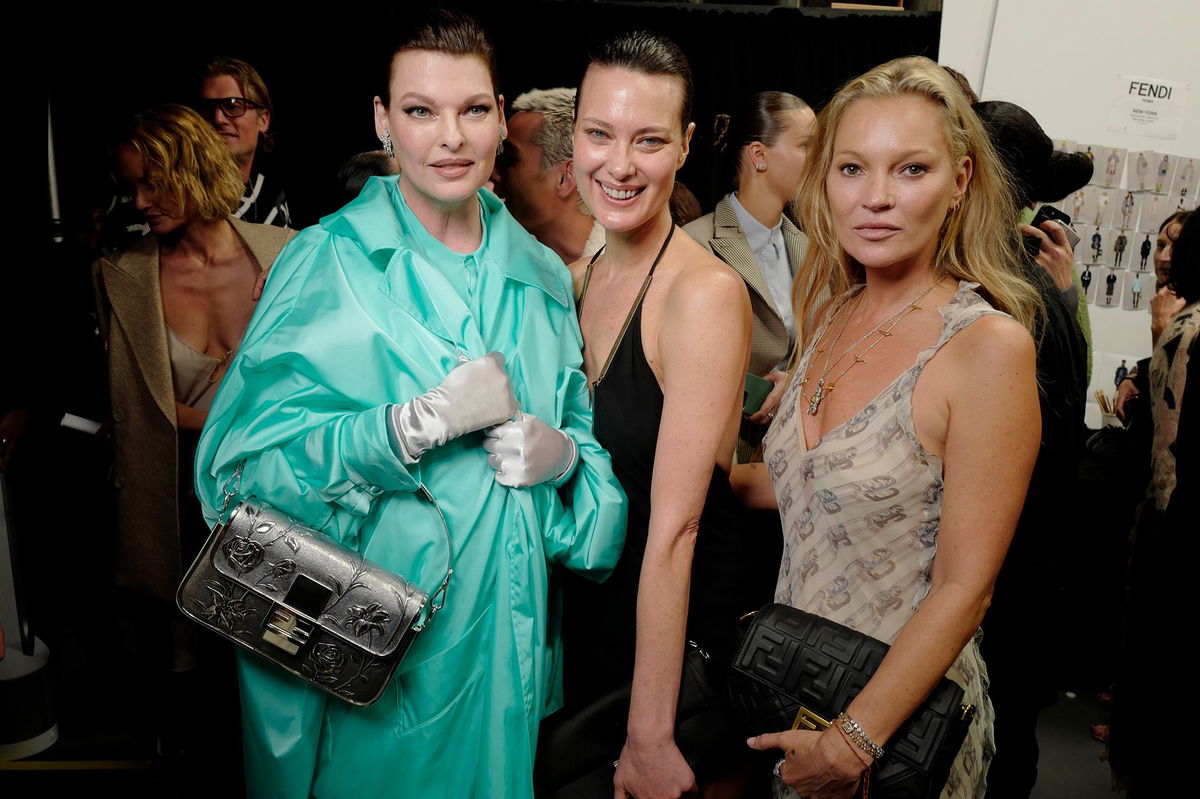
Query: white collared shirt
point(770, 251)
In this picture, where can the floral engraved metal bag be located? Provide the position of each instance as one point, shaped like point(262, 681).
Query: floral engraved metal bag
point(306, 602)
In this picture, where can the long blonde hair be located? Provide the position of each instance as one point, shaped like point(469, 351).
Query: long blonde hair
point(979, 239)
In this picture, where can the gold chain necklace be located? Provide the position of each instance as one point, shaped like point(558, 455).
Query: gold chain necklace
point(824, 389)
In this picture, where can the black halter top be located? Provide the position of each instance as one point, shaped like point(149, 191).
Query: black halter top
point(599, 619)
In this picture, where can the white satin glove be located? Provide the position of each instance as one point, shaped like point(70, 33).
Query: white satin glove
point(527, 451)
point(473, 396)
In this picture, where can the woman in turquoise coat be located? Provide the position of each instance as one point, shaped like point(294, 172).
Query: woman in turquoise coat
point(330, 404)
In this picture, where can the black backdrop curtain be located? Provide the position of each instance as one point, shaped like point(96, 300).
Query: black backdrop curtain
point(323, 70)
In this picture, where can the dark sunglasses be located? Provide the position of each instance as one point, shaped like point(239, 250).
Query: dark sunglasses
point(232, 107)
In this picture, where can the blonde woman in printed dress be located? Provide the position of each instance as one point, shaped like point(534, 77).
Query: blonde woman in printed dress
point(904, 444)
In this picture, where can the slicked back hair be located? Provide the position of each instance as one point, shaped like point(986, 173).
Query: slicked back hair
point(762, 117)
point(444, 31)
point(649, 54)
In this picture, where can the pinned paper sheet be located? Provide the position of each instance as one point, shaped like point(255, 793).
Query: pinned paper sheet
point(1148, 106)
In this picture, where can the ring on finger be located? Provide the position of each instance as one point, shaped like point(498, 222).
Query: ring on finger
point(778, 766)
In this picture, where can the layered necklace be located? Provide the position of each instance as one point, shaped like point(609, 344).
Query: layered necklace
point(883, 330)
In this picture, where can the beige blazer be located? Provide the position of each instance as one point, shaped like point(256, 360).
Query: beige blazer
point(129, 302)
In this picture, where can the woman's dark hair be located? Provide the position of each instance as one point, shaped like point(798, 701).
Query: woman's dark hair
point(444, 31)
point(684, 205)
point(1176, 218)
point(649, 54)
point(354, 174)
point(761, 117)
point(1039, 173)
point(1184, 277)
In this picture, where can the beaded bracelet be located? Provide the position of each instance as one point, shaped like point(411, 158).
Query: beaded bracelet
point(858, 737)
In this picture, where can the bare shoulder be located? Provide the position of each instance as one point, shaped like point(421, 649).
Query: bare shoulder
point(991, 347)
point(703, 278)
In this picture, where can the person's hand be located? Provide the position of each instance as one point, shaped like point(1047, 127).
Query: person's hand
point(1054, 252)
point(1163, 307)
point(475, 395)
point(816, 765)
point(527, 451)
point(1126, 391)
point(14, 425)
point(766, 412)
point(259, 283)
point(653, 771)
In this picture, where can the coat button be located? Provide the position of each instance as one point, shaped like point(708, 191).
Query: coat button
point(118, 416)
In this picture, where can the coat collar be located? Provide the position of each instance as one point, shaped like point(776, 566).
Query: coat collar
point(796, 243)
point(729, 242)
point(131, 280)
point(374, 220)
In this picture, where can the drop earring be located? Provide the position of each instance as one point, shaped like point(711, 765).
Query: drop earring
point(386, 141)
point(500, 144)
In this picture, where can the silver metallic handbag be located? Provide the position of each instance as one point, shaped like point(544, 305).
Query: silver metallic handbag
point(306, 602)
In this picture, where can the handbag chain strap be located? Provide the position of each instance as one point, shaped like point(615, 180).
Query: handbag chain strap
point(230, 490)
point(436, 601)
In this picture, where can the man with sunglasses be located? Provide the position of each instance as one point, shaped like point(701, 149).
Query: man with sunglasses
point(235, 100)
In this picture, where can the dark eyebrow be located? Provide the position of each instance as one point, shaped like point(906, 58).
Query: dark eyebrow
point(655, 129)
point(475, 99)
point(415, 97)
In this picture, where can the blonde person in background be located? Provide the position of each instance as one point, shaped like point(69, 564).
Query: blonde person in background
point(172, 311)
point(235, 100)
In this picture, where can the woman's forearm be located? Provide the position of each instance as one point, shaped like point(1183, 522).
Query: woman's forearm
point(662, 607)
point(751, 482)
point(189, 418)
point(925, 649)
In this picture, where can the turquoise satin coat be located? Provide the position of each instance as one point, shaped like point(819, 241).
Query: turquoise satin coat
point(356, 316)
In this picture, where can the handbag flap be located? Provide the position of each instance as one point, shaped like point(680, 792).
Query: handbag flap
point(801, 659)
point(271, 554)
point(811, 660)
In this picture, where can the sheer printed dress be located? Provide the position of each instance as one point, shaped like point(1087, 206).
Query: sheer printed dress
point(861, 512)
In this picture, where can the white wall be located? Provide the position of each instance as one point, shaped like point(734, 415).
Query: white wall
point(966, 36)
point(1060, 59)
